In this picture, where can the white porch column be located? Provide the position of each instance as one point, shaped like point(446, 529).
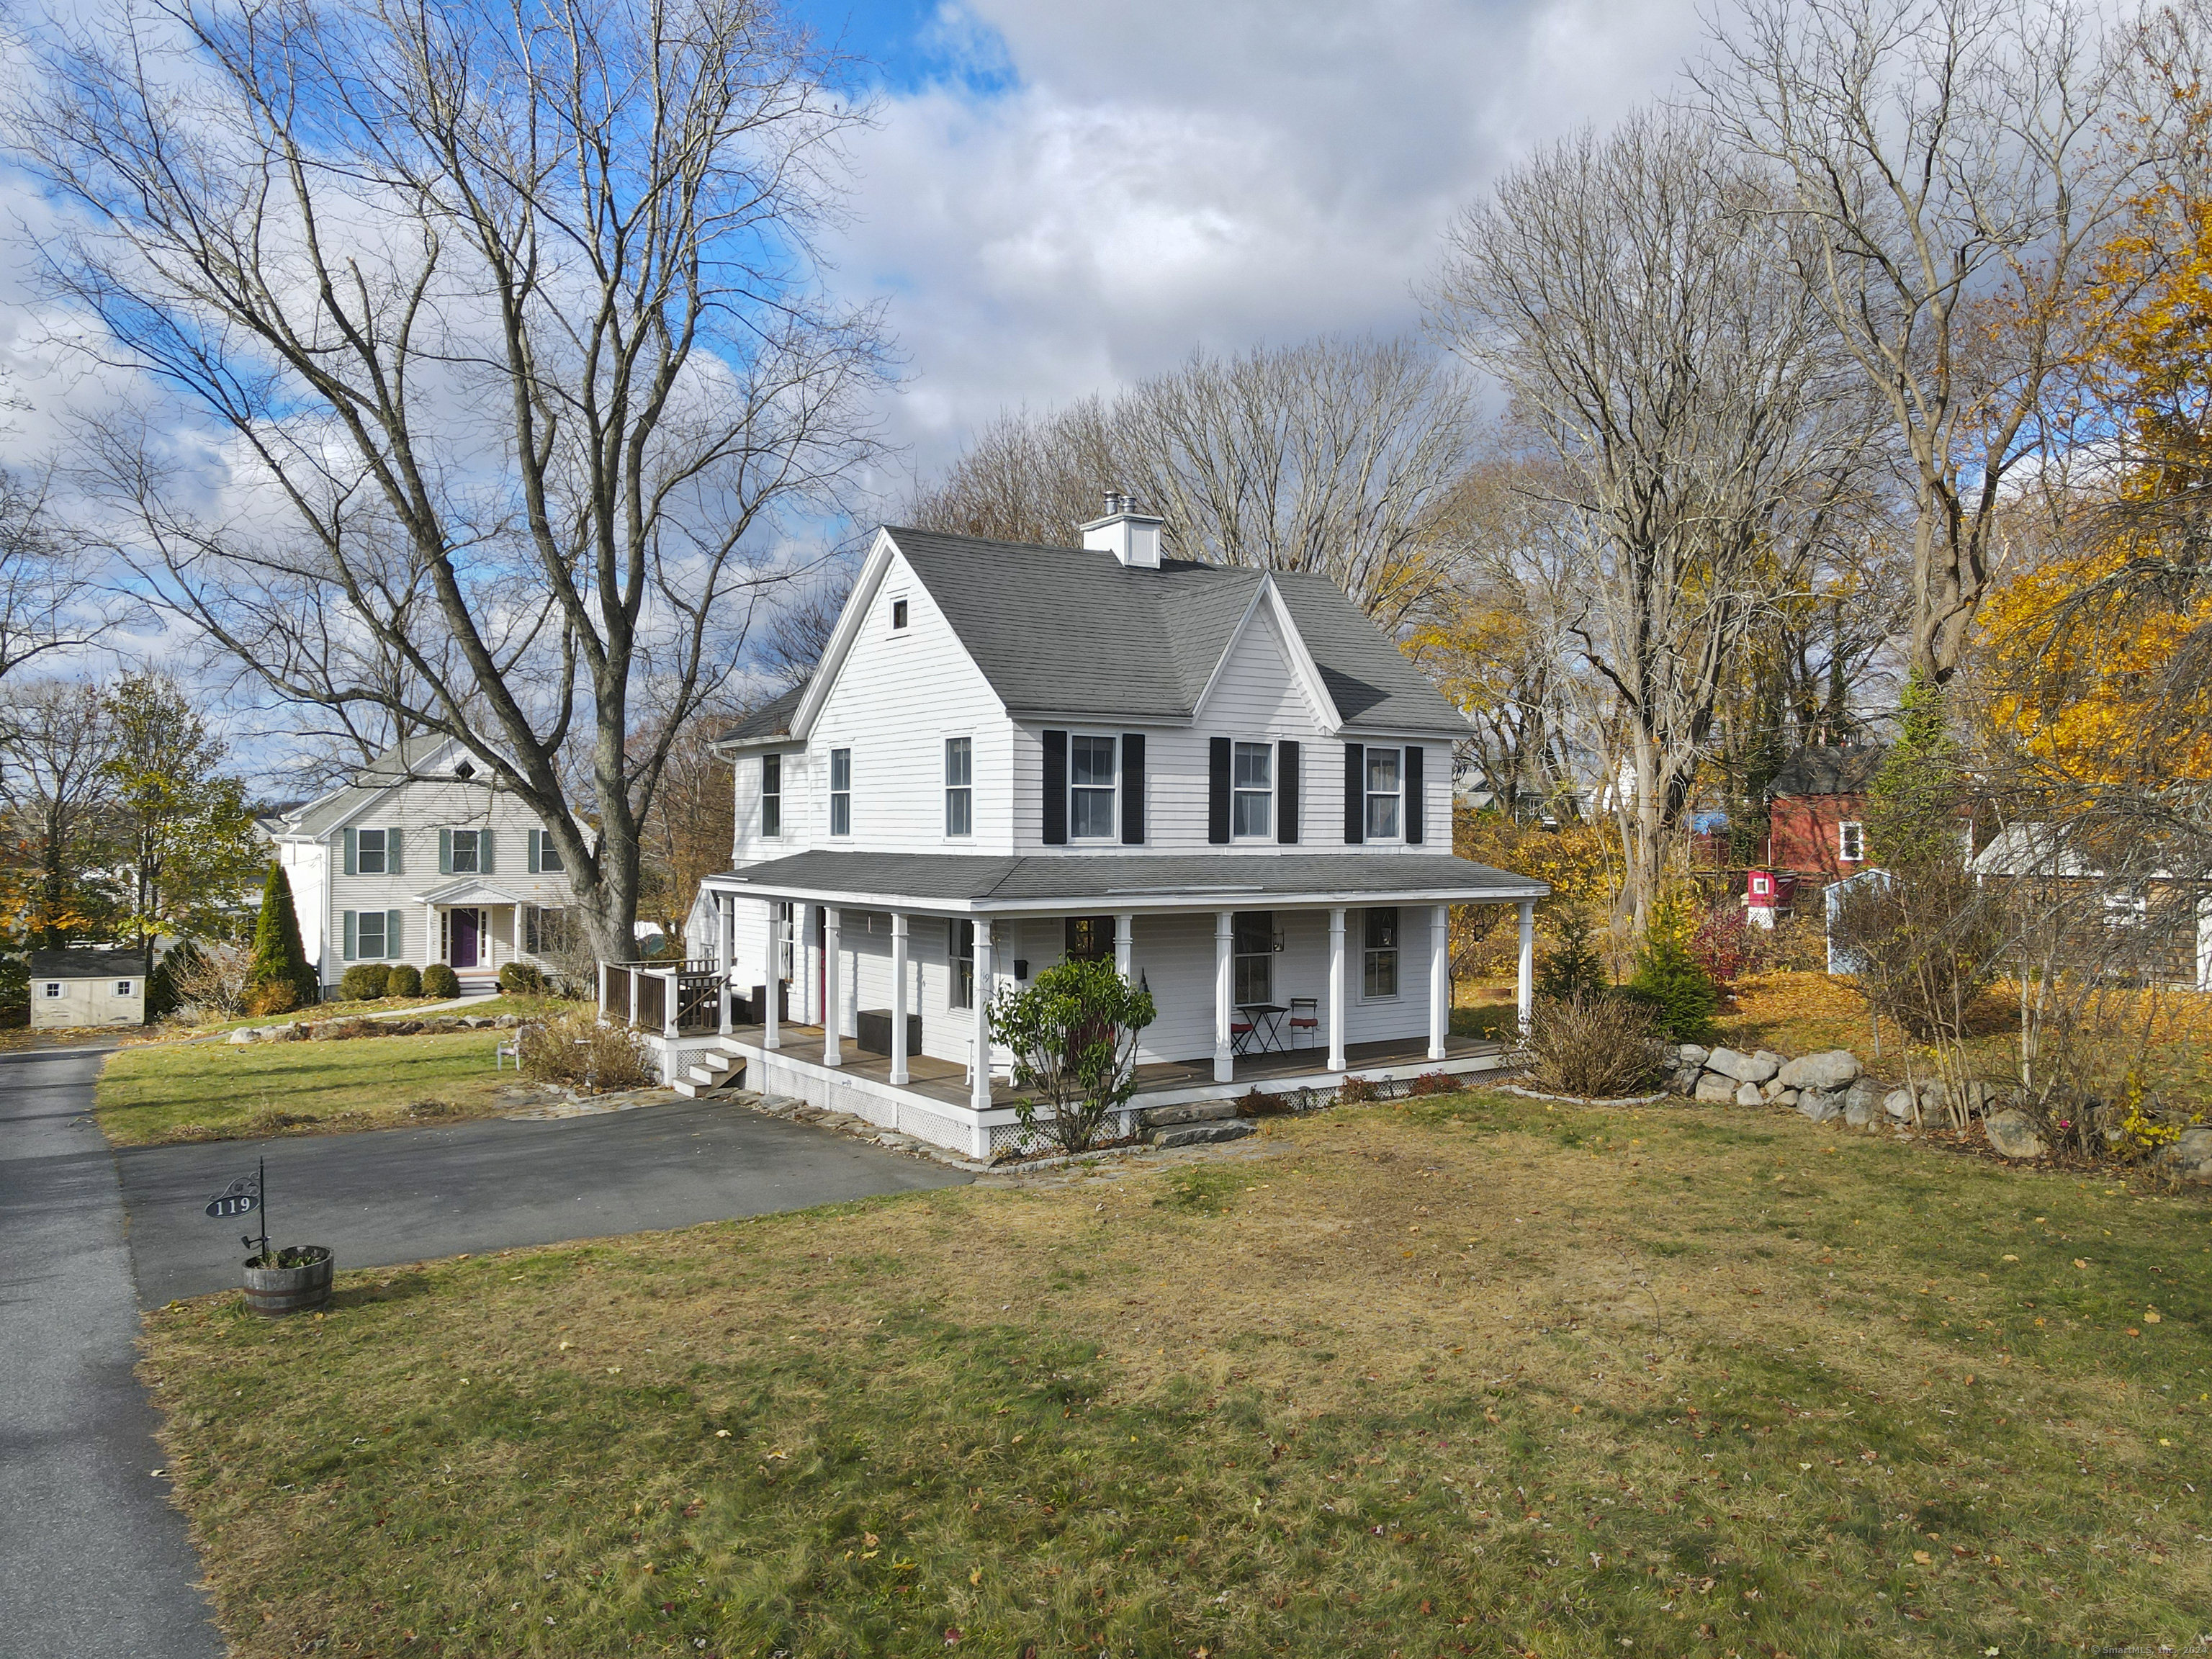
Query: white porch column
point(979, 995)
point(1439, 978)
point(832, 1053)
point(430, 935)
point(1526, 998)
point(725, 916)
point(802, 962)
point(898, 996)
point(603, 988)
point(772, 1036)
point(1336, 990)
point(1224, 988)
point(1125, 922)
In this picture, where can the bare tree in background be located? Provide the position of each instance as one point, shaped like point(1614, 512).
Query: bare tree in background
point(505, 317)
point(1332, 457)
point(1631, 295)
point(58, 799)
point(43, 584)
point(1948, 166)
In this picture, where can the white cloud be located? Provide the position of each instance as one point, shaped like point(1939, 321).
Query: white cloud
point(1154, 177)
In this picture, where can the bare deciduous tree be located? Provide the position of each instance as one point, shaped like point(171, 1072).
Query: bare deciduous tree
point(505, 318)
point(1332, 457)
point(43, 584)
point(1630, 295)
point(1949, 171)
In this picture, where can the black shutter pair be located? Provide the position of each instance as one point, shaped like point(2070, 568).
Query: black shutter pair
point(1055, 789)
point(1355, 794)
point(1220, 790)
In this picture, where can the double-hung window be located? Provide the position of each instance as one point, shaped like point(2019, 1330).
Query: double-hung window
point(368, 934)
point(1252, 935)
point(549, 855)
point(467, 861)
point(960, 949)
point(1091, 789)
point(1378, 967)
point(959, 786)
point(1385, 794)
point(771, 796)
point(1851, 842)
point(841, 791)
point(368, 852)
point(1253, 805)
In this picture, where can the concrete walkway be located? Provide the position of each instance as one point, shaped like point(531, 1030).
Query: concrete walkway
point(394, 1195)
point(96, 1560)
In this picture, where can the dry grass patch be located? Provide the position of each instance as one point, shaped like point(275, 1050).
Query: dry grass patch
point(163, 1093)
point(1474, 1375)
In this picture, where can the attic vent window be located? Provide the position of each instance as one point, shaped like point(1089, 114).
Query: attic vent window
point(466, 769)
point(898, 616)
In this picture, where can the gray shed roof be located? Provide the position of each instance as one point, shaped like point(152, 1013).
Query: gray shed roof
point(1061, 630)
point(87, 964)
point(1112, 881)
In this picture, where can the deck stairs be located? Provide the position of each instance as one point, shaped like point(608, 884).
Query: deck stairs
point(719, 1067)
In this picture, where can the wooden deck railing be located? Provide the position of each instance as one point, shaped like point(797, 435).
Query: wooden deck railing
point(667, 997)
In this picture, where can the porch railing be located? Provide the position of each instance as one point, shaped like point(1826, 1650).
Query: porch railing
point(665, 997)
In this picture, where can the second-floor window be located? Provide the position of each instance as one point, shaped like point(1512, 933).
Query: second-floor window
point(467, 855)
point(1091, 788)
point(771, 795)
point(959, 786)
point(1385, 790)
point(841, 791)
point(549, 856)
point(370, 852)
point(1253, 807)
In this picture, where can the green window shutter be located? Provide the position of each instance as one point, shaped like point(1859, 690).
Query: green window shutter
point(391, 863)
point(351, 858)
point(534, 834)
point(484, 851)
point(349, 921)
point(444, 852)
point(391, 950)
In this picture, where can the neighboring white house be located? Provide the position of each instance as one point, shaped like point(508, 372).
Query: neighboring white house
point(420, 860)
point(71, 989)
point(1228, 781)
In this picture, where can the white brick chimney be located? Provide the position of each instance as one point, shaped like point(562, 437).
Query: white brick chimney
point(1130, 536)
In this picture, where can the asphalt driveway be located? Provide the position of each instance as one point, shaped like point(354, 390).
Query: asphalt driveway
point(97, 1562)
point(397, 1195)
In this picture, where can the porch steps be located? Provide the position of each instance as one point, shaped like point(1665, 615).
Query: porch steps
point(717, 1068)
point(1194, 1123)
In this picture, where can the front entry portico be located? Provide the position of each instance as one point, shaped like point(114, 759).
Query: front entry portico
point(469, 926)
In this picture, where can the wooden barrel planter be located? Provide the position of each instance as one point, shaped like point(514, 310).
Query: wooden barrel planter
point(275, 1291)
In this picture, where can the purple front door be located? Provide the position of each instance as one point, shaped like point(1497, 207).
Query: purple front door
point(463, 953)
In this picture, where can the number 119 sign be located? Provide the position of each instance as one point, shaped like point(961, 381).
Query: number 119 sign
point(242, 1197)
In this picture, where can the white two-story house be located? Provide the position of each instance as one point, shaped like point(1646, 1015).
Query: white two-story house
point(1228, 781)
point(418, 859)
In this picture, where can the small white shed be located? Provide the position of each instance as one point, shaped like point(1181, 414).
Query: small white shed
point(71, 989)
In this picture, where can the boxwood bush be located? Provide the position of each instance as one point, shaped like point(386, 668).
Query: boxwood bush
point(365, 982)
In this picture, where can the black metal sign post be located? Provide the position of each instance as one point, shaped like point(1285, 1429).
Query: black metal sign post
point(243, 1197)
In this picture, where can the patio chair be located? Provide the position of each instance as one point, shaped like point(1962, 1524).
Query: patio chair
point(1306, 1016)
point(1239, 1033)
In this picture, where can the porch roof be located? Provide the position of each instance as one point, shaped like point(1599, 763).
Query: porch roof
point(468, 890)
point(976, 883)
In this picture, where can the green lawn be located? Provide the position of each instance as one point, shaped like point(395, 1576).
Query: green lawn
point(1470, 1375)
point(213, 1090)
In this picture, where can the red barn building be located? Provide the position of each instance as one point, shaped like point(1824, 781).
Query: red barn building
point(1816, 812)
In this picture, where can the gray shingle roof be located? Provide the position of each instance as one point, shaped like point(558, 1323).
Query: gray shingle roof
point(770, 720)
point(1061, 630)
point(1133, 881)
point(1818, 770)
point(85, 964)
point(319, 818)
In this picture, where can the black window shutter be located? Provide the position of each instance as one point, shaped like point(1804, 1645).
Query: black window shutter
point(1415, 816)
point(1217, 793)
point(1355, 794)
point(1286, 792)
point(1132, 789)
point(1055, 789)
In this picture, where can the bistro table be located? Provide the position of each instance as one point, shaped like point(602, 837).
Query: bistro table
point(1264, 1021)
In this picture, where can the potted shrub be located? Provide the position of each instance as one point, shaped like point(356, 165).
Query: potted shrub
point(291, 1280)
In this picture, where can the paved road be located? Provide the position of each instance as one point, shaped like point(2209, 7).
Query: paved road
point(96, 1561)
point(397, 1195)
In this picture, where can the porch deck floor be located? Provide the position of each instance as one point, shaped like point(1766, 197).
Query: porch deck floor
point(941, 1079)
